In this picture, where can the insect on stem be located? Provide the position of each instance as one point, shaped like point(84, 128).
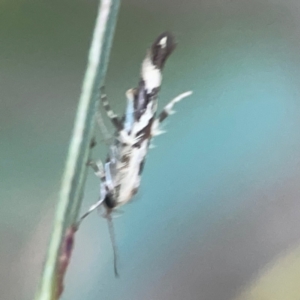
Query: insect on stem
point(121, 173)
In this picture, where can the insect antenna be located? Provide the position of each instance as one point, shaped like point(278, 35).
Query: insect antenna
point(113, 242)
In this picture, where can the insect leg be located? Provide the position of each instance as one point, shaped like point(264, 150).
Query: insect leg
point(97, 204)
point(99, 171)
point(108, 177)
point(105, 133)
point(113, 117)
point(155, 130)
point(129, 115)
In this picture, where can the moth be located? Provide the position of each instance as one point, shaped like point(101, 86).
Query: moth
point(120, 175)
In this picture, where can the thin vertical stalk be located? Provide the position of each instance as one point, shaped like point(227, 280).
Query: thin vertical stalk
point(74, 177)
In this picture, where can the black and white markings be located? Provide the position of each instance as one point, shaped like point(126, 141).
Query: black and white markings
point(120, 175)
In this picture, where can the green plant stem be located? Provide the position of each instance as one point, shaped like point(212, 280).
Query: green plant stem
point(76, 169)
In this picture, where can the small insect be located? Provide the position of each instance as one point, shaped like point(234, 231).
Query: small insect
point(121, 173)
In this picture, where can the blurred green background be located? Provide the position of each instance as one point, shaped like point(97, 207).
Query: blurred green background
point(218, 215)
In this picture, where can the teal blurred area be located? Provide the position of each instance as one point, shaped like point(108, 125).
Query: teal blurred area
point(220, 194)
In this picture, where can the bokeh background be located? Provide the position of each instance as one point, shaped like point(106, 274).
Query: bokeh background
point(218, 214)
